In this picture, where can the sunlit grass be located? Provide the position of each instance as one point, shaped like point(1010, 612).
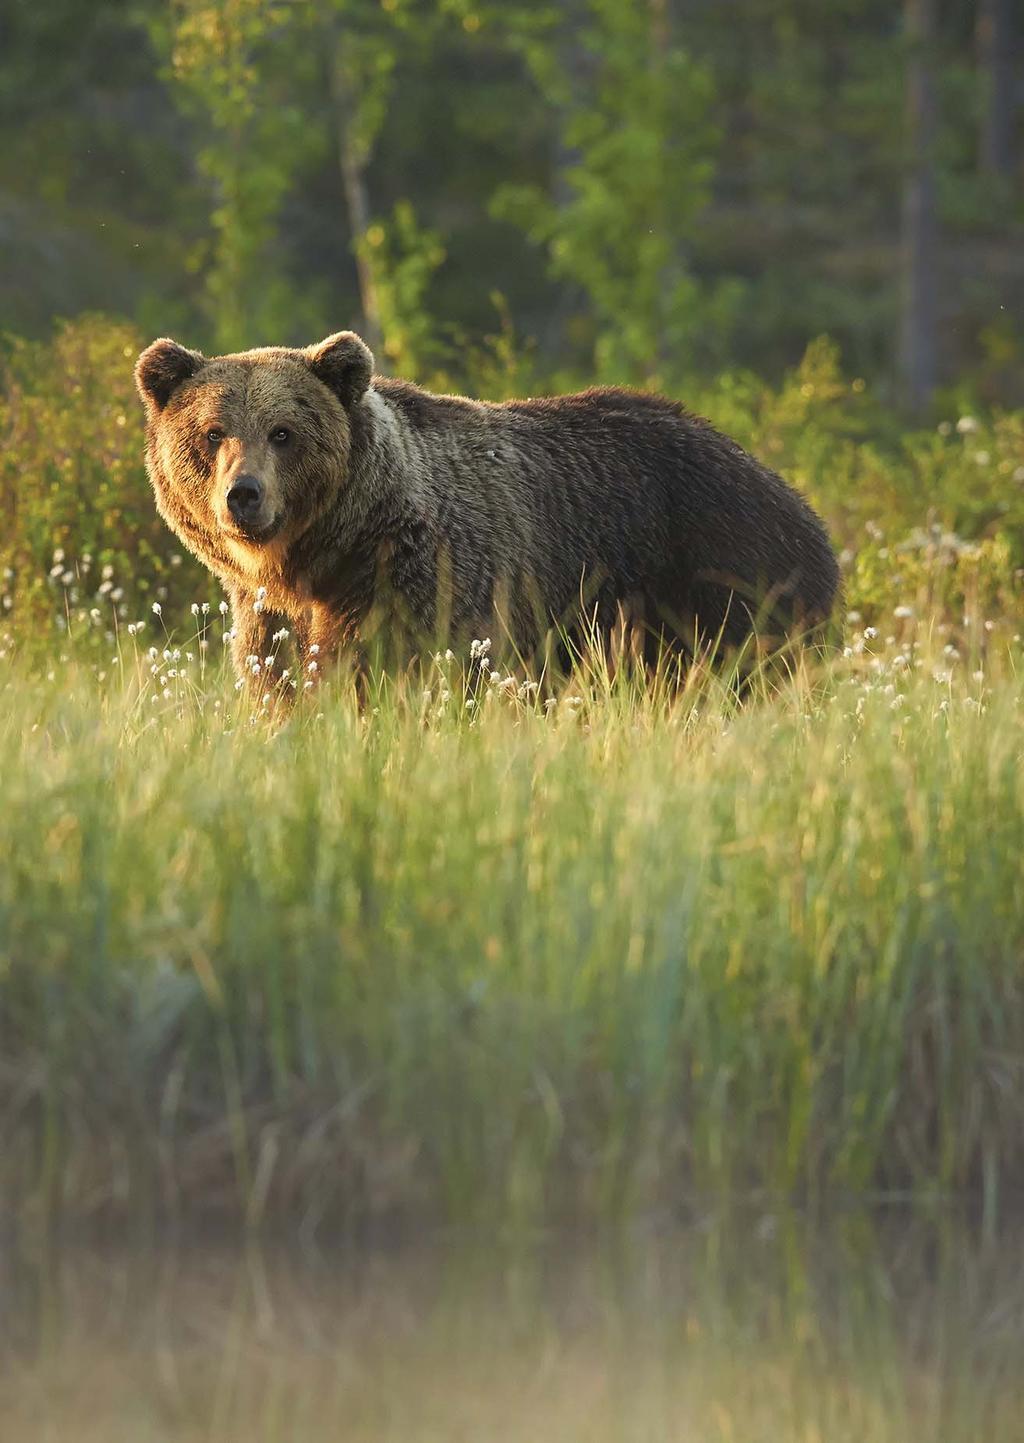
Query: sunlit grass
point(485, 950)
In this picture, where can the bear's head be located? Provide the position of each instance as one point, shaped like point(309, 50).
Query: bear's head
point(247, 450)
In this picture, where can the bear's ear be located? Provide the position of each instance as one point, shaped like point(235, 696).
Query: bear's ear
point(344, 363)
point(162, 368)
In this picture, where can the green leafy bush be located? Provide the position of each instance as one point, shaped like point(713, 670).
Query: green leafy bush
point(81, 530)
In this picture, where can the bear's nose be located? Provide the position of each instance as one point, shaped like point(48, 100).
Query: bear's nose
point(244, 498)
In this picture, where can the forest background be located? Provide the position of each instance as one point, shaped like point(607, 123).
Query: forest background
point(640, 190)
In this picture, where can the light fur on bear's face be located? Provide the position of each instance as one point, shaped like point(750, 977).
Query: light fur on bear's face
point(273, 416)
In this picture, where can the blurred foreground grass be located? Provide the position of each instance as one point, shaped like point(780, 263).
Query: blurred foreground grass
point(878, 1327)
point(471, 957)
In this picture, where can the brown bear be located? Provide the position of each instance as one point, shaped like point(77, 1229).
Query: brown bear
point(322, 495)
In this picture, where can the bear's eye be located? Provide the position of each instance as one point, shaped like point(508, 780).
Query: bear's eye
point(280, 436)
point(214, 435)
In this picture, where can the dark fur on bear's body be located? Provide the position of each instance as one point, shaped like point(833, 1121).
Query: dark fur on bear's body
point(470, 517)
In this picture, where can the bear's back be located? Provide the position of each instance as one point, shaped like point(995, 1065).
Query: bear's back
point(624, 487)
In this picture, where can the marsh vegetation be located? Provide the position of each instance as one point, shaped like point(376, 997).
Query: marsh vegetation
point(481, 953)
point(493, 945)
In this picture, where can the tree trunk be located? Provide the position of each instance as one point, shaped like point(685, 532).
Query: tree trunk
point(352, 163)
point(661, 38)
point(661, 27)
point(577, 66)
point(917, 360)
point(995, 39)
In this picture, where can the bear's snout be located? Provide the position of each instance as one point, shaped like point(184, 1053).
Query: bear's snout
point(245, 501)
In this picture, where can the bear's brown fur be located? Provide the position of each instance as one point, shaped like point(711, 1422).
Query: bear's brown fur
point(315, 490)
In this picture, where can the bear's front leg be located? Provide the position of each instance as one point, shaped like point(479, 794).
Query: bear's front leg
point(321, 645)
point(257, 647)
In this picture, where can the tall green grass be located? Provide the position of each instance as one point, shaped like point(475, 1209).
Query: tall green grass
point(468, 955)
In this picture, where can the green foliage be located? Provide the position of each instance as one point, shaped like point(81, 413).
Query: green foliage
point(405, 258)
point(81, 528)
point(642, 148)
point(936, 573)
point(692, 187)
point(220, 60)
point(362, 36)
